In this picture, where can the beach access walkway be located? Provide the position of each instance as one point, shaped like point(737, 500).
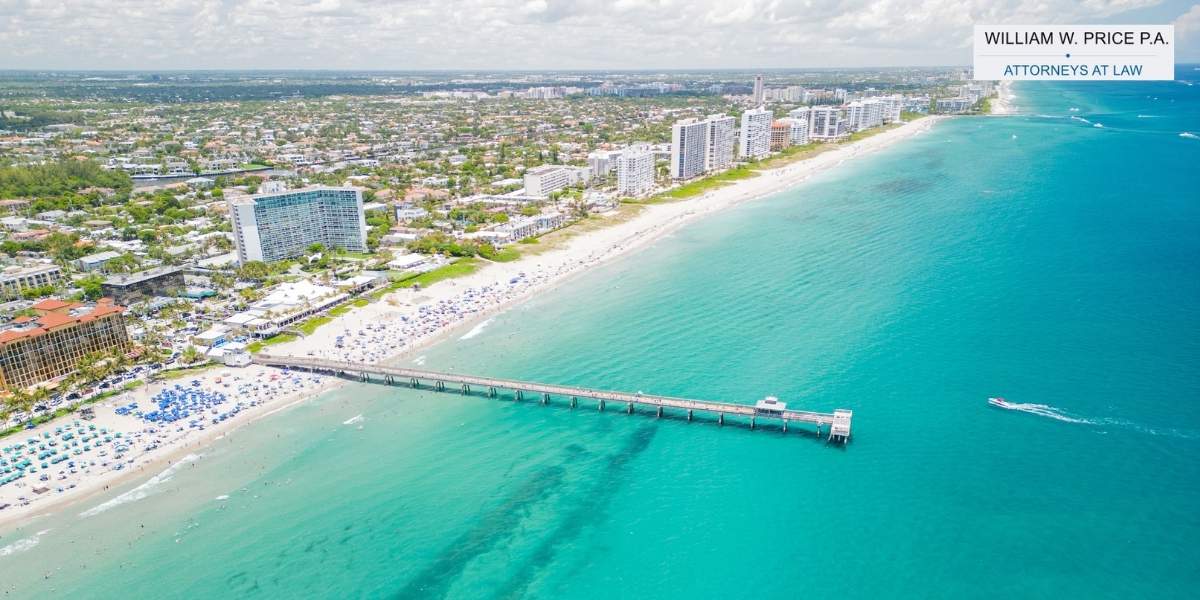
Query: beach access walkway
point(838, 422)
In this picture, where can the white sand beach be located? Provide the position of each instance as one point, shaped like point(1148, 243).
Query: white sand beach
point(1004, 102)
point(387, 330)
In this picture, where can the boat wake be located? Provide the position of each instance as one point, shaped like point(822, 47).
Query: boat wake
point(353, 420)
point(1189, 135)
point(1045, 410)
point(1103, 425)
point(140, 491)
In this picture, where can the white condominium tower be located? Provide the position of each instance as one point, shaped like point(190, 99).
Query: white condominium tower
point(799, 129)
point(282, 225)
point(756, 133)
point(864, 114)
point(689, 141)
point(721, 133)
point(702, 146)
point(758, 89)
point(635, 171)
point(892, 105)
point(825, 123)
point(800, 125)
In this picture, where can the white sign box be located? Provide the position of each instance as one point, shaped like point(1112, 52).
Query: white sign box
point(1075, 52)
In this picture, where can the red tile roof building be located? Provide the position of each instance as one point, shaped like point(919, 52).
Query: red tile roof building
point(36, 350)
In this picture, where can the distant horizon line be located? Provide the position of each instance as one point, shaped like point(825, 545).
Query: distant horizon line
point(25, 70)
point(485, 70)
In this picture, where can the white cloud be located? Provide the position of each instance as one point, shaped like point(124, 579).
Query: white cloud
point(512, 34)
point(1187, 34)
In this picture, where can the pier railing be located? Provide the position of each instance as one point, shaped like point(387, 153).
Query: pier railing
point(838, 421)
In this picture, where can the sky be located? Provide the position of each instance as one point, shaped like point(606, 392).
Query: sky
point(403, 35)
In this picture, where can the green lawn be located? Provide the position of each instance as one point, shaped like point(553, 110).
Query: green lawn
point(508, 254)
point(283, 338)
point(700, 186)
point(459, 268)
point(310, 326)
point(179, 373)
point(346, 308)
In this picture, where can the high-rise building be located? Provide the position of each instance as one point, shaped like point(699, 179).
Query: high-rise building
point(756, 133)
point(825, 123)
point(689, 148)
point(48, 345)
point(721, 134)
point(635, 171)
point(602, 162)
point(781, 134)
point(892, 105)
point(799, 129)
point(270, 227)
point(864, 114)
point(758, 89)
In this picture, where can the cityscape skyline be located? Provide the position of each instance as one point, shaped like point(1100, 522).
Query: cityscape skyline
point(535, 34)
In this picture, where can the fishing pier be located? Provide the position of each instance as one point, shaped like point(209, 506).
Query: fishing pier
point(837, 423)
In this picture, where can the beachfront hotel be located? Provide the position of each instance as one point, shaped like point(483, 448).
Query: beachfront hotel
point(689, 141)
point(281, 225)
point(756, 133)
point(38, 349)
point(635, 171)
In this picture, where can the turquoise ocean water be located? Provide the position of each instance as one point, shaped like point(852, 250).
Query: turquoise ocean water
point(1036, 257)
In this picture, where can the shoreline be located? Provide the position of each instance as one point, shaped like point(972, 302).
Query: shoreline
point(1004, 103)
point(421, 318)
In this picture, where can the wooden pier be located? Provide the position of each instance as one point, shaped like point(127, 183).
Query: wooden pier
point(837, 422)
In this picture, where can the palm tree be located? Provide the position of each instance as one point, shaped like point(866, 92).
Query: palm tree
point(190, 355)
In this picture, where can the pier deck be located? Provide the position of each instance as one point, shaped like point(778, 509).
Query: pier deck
point(838, 421)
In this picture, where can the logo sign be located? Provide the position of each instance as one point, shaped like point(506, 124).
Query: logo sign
point(1074, 52)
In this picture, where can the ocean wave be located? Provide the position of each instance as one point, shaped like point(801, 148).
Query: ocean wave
point(420, 360)
point(140, 491)
point(353, 420)
point(1080, 119)
point(1189, 135)
point(24, 544)
point(476, 330)
point(1147, 116)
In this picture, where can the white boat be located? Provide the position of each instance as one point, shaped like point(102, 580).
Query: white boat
point(1001, 402)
